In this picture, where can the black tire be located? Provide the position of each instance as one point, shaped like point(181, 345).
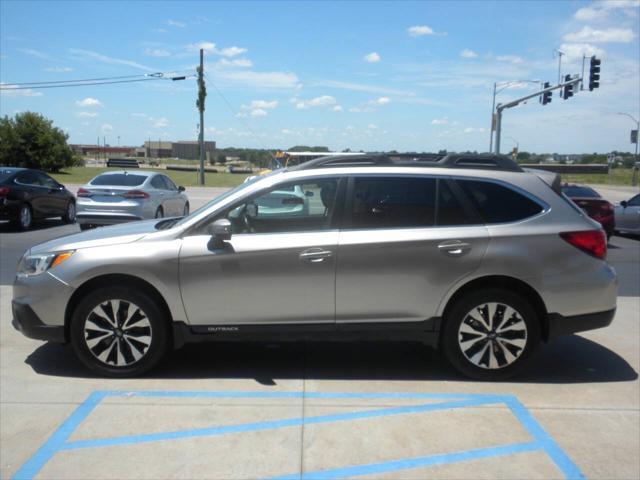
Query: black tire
point(185, 211)
point(69, 215)
point(502, 350)
point(24, 221)
point(86, 226)
point(159, 213)
point(152, 323)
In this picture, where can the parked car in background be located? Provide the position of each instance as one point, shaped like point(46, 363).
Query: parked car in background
point(123, 196)
point(593, 204)
point(628, 216)
point(27, 195)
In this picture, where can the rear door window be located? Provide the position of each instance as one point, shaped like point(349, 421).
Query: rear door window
point(392, 202)
point(158, 182)
point(451, 211)
point(119, 180)
point(27, 178)
point(497, 203)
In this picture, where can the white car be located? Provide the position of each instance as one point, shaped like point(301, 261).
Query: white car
point(628, 216)
point(123, 196)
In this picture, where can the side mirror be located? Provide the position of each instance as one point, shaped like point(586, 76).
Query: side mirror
point(181, 188)
point(221, 229)
point(624, 203)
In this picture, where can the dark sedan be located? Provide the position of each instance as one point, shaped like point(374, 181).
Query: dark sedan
point(593, 204)
point(27, 195)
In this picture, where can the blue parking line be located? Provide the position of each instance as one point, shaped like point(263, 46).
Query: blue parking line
point(59, 440)
point(273, 424)
point(410, 463)
point(561, 459)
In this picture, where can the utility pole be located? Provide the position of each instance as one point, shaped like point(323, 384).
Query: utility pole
point(560, 54)
point(202, 94)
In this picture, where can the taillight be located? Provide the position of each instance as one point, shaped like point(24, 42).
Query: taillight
point(593, 242)
point(135, 194)
point(4, 191)
point(83, 192)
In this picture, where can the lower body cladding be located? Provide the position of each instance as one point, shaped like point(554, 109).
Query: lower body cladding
point(95, 218)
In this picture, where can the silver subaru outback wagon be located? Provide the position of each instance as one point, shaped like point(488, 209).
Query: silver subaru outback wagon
point(471, 254)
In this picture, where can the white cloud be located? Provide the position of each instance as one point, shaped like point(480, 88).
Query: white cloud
point(266, 104)
point(258, 112)
point(238, 62)
point(139, 115)
point(601, 10)
point(380, 101)
point(89, 102)
point(575, 51)
point(90, 55)
point(176, 23)
point(210, 47)
point(372, 126)
point(157, 52)
point(231, 51)
point(475, 130)
point(509, 58)
point(259, 79)
point(161, 122)
point(359, 87)
point(58, 69)
point(106, 128)
point(337, 108)
point(10, 90)
point(87, 114)
point(610, 35)
point(372, 57)
point(36, 53)
point(440, 121)
point(420, 30)
point(467, 53)
point(321, 101)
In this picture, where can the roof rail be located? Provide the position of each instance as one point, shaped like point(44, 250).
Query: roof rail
point(473, 161)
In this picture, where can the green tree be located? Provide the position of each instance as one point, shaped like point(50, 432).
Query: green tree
point(222, 159)
point(30, 140)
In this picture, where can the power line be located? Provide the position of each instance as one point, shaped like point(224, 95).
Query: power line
point(9, 87)
point(80, 80)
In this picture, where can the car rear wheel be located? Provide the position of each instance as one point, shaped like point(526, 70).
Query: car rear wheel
point(70, 213)
point(185, 212)
point(25, 217)
point(490, 334)
point(119, 332)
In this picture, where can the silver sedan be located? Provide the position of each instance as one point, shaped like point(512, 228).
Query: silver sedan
point(123, 196)
point(628, 216)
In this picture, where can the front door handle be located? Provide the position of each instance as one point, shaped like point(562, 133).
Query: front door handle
point(315, 255)
point(454, 248)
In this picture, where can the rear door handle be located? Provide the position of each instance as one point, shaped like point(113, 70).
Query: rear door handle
point(454, 248)
point(315, 255)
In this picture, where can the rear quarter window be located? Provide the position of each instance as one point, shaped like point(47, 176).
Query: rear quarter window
point(119, 179)
point(498, 203)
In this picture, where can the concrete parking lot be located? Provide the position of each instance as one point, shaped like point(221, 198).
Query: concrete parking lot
point(323, 410)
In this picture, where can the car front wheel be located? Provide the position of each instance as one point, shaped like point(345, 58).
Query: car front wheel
point(70, 213)
point(119, 332)
point(25, 217)
point(490, 334)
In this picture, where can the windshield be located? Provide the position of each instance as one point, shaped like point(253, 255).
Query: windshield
point(119, 179)
point(577, 191)
point(224, 195)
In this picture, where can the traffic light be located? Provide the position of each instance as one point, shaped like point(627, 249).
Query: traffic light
point(546, 97)
point(568, 89)
point(594, 73)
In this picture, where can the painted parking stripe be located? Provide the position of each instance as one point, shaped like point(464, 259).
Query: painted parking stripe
point(542, 441)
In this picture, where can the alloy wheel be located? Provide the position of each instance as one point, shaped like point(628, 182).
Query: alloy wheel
point(118, 333)
point(492, 335)
point(25, 217)
point(71, 212)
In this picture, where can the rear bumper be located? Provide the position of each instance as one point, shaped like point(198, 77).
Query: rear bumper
point(9, 209)
point(29, 324)
point(561, 325)
point(106, 218)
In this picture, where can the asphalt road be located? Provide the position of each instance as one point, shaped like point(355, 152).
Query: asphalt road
point(346, 410)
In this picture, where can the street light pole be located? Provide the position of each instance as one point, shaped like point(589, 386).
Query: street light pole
point(496, 91)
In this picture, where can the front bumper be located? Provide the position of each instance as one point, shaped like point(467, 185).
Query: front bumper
point(29, 324)
point(561, 325)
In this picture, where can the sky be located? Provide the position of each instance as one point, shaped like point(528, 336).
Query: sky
point(373, 76)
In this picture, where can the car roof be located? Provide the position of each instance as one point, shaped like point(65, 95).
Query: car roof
point(144, 173)
point(11, 169)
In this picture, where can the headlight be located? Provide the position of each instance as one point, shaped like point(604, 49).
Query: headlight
point(40, 263)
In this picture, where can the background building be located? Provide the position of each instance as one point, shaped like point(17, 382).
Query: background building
point(191, 151)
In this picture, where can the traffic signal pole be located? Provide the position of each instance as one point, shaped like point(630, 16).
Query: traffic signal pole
point(518, 101)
